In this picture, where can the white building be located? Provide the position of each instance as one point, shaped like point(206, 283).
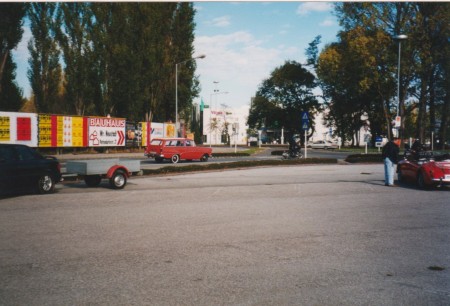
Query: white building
point(217, 121)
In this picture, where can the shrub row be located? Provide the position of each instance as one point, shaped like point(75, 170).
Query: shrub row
point(364, 158)
point(238, 164)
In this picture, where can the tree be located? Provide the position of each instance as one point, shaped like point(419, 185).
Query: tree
point(423, 62)
point(282, 98)
point(11, 21)
point(11, 95)
point(75, 43)
point(45, 70)
point(356, 81)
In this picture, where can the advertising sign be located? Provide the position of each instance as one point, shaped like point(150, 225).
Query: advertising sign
point(106, 132)
point(169, 130)
point(18, 128)
point(157, 130)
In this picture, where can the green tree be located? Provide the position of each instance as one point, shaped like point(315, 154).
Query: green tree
point(75, 43)
point(356, 81)
point(424, 54)
point(283, 97)
point(11, 95)
point(44, 73)
point(11, 21)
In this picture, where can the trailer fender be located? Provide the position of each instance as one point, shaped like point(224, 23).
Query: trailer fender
point(114, 168)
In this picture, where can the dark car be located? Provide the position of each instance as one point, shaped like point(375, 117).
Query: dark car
point(23, 168)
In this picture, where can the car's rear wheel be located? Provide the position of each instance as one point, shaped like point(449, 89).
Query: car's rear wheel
point(45, 184)
point(175, 159)
point(118, 180)
point(92, 180)
point(204, 158)
point(400, 176)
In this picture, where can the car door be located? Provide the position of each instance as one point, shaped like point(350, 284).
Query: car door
point(8, 168)
point(29, 166)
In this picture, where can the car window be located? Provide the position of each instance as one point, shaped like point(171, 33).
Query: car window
point(156, 142)
point(171, 143)
point(188, 143)
point(180, 143)
point(7, 153)
point(25, 153)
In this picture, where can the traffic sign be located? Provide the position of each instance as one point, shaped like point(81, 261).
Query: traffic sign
point(305, 121)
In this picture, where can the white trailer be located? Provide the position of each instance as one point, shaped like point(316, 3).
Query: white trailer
point(117, 171)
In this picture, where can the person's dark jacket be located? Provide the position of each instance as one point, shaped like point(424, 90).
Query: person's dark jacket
point(391, 151)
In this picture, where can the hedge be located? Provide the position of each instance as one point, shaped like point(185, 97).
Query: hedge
point(364, 158)
point(238, 164)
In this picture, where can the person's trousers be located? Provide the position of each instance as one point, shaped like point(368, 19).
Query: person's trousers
point(389, 168)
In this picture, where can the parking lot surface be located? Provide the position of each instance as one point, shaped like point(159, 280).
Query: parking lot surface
point(299, 235)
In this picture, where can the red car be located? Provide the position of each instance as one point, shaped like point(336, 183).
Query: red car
point(425, 169)
point(176, 149)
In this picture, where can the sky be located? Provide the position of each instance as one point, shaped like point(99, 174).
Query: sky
point(243, 43)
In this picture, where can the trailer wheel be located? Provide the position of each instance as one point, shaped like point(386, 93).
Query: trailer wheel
point(92, 180)
point(118, 180)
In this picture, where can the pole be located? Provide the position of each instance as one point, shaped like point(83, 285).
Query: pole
point(306, 143)
point(398, 76)
point(176, 99)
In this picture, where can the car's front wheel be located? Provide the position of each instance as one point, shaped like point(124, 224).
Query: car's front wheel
point(46, 184)
point(175, 159)
point(420, 181)
point(204, 158)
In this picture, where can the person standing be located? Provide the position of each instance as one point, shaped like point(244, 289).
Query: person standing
point(390, 157)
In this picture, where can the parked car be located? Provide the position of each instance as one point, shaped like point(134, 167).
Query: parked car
point(425, 169)
point(176, 149)
point(322, 144)
point(22, 168)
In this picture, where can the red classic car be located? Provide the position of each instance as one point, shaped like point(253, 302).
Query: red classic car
point(175, 149)
point(424, 168)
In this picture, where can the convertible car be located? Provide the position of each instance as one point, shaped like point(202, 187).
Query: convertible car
point(425, 169)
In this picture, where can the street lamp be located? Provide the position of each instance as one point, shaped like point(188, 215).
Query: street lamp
point(216, 92)
point(176, 88)
point(399, 38)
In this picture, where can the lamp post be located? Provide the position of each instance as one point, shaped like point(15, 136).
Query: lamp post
point(216, 92)
point(176, 88)
point(399, 38)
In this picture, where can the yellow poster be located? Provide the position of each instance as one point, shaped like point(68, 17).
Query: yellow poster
point(45, 130)
point(5, 130)
point(77, 131)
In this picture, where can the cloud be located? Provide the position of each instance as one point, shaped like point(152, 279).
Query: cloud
point(328, 22)
point(221, 22)
point(307, 7)
point(238, 61)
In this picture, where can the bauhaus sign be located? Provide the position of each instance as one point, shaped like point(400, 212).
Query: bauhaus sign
point(106, 132)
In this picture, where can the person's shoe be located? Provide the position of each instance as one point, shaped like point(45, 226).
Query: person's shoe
point(386, 184)
point(393, 185)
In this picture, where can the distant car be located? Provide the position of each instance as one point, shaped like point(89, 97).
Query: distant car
point(176, 149)
point(23, 168)
point(425, 169)
point(322, 144)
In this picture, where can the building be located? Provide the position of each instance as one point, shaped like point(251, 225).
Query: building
point(223, 125)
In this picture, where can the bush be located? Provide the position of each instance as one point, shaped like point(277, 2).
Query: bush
point(238, 164)
point(364, 158)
